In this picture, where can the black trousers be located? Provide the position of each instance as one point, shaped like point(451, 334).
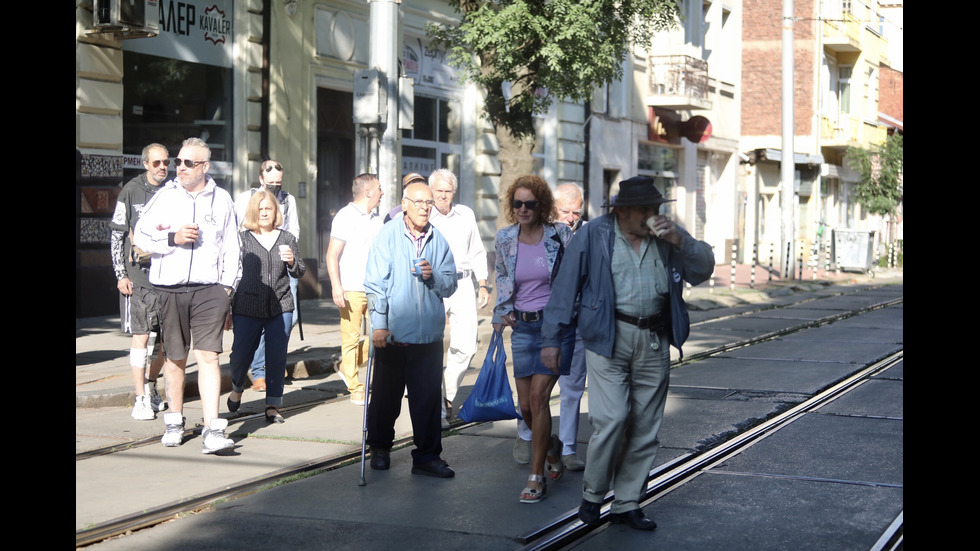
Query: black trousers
point(417, 367)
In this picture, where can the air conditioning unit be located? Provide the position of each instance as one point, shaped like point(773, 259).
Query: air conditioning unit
point(126, 18)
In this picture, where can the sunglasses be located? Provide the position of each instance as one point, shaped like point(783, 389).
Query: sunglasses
point(530, 205)
point(188, 163)
point(166, 162)
point(268, 168)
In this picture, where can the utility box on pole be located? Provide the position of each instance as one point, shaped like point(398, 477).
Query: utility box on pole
point(370, 97)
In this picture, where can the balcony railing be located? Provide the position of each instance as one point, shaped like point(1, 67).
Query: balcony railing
point(678, 82)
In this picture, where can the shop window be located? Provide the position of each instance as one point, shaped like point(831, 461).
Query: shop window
point(435, 120)
point(159, 106)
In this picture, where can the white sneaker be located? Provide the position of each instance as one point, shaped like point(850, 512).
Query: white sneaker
point(213, 439)
point(522, 451)
point(142, 410)
point(175, 429)
point(156, 402)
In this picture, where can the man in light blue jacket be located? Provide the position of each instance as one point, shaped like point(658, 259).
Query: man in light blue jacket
point(410, 270)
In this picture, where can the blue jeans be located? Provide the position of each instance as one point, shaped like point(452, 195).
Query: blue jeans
point(258, 361)
point(248, 333)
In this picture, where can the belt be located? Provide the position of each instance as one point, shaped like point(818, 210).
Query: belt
point(654, 322)
point(529, 316)
point(463, 274)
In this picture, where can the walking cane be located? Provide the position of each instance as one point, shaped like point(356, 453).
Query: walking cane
point(367, 389)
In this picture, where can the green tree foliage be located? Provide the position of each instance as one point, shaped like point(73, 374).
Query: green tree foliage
point(880, 189)
point(540, 50)
point(545, 49)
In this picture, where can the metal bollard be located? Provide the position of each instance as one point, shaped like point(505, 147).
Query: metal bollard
point(772, 251)
point(731, 285)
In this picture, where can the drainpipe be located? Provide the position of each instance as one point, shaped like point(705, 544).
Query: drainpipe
point(264, 109)
point(587, 164)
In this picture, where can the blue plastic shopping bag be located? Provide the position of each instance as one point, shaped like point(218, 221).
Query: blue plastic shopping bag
point(491, 399)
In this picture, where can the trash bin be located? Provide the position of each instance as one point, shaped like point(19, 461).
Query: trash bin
point(854, 250)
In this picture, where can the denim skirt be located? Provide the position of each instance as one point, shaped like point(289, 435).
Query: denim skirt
point(525, 344)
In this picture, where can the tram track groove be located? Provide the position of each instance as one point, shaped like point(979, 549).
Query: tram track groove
point(567, 529)
point(559, 528)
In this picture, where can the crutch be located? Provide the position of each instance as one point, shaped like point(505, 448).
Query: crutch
point(367, 389)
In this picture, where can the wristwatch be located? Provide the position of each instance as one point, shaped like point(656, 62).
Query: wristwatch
point(489, 290)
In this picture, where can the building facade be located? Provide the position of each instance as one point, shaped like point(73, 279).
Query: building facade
point(838, 55)
point(674, 117)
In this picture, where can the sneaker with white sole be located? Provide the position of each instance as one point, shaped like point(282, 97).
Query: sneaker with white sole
point(522, 451)
point(156, 402)
point(174, 436)
point(142, 410)
point(213, 439)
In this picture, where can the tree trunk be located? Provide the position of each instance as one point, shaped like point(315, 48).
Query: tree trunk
point(515, 161)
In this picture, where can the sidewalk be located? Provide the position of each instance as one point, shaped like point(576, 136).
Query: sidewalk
point(103, 378)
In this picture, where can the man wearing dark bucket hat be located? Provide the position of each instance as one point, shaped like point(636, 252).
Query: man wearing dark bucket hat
point(626, 269)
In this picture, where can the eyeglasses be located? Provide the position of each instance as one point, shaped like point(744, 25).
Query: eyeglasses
point(419, 203)
point(166, 162)
point(187, 162)
point(277, 166)
point(530, 205)
point(565, 212)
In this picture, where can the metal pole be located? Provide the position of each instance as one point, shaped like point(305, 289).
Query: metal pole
point(787, 165)
point(385, 47)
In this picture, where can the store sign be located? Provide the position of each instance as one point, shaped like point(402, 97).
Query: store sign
point(197, 31)
point(418, 164)
point(427, 65)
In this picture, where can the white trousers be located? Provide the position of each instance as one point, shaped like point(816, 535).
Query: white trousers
point(461, 311)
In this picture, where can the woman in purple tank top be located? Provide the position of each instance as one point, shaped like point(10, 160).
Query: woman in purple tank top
point(528, 256)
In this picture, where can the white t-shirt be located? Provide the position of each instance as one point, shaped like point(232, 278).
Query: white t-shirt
point(356, 229)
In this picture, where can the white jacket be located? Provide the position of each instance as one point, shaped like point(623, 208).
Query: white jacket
point(214, 258)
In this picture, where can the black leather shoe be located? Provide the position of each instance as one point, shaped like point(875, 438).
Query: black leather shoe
point(588, 512)
point(437, 468)
point(635, 519)
point(380, 459)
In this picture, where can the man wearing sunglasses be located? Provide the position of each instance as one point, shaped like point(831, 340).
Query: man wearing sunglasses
point(270, 179)
point(191, 229)
point(137, 301)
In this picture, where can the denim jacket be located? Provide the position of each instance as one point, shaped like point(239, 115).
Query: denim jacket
point(556, 237)
point(586, 274)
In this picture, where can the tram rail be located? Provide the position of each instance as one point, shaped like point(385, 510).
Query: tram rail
point(566, 529)
point(556, 534)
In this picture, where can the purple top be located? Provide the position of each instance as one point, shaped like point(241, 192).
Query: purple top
point(532, 280)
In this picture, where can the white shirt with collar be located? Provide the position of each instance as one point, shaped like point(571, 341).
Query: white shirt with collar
point(459, 228)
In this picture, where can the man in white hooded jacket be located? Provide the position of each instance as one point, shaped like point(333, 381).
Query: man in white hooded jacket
point(191, 229)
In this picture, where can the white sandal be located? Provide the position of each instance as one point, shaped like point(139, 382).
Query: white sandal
point(534, 495)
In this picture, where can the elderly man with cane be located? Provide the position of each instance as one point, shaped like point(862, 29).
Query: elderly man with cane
point(410, 271)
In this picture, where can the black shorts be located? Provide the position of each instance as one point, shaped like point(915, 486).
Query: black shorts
point(139, 312)
point(197, 316)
